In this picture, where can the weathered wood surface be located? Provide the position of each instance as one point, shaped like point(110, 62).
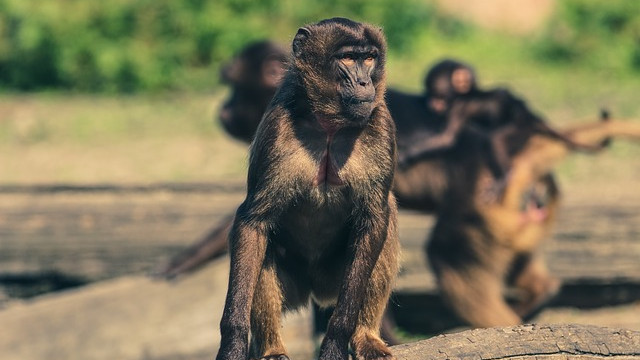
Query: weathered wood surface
point(131, 318)
point(547, 342)
point(102, 234)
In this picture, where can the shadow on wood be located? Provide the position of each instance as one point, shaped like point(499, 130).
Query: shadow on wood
point(527, 342)
point(425, 312)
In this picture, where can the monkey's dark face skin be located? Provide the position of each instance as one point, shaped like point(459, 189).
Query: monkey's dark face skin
point(343, 66)
point(354, 65)
point(446, 80)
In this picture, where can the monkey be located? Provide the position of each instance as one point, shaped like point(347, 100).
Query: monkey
point(417, 187)
point(423, 186)
point(504, 119)
point(319, 218)
point(254, 74)
point(446, 80)
point(479, 246)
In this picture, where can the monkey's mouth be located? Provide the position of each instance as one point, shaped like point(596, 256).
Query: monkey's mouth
point(358, 109)
point(360, 101)
point(533, 207)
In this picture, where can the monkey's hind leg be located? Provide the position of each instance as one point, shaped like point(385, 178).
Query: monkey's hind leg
point(266, 315)
point(530, 275)
point(470, 268)
point(366, 341)
point(477, 297)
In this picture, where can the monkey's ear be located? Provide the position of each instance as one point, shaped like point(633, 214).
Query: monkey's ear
point(302, 35)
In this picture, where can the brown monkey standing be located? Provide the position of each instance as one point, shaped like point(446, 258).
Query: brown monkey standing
point(319, 218)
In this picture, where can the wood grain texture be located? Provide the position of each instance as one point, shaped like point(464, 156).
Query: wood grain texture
point(527, 342)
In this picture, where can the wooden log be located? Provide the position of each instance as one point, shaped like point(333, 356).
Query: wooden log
point(547, 342)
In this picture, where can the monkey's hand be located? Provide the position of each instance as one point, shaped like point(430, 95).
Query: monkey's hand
point(606, 143)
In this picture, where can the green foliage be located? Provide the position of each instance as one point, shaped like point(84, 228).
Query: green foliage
point(119, 46)
point(605, 34)
point(125, 46)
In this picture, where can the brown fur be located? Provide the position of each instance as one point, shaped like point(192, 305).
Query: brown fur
point(426, 184)
point(253, 74)
point(477, 245)
point(504, 119)
point(445, 81)
point(319, 218)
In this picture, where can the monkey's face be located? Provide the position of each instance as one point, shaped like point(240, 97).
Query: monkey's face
point(242, 110)
point(462, 80)
point(440, 94)
point(253, 76)
point(341, 66)
point(446, 80)
point(353, 66)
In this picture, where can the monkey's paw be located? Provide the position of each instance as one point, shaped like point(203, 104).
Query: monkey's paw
point(373, 350)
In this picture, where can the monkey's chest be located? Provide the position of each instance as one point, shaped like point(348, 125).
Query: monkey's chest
point(326, 161)
point(311, 229)
point(327, 174)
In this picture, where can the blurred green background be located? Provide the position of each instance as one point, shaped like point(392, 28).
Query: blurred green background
point(150, 45)
point(126, 90)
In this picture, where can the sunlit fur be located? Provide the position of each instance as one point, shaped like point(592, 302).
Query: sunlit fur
point(306, 230)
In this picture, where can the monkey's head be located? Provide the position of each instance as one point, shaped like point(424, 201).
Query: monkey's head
point(253, 75)
point(446, 80)
point(340, 64)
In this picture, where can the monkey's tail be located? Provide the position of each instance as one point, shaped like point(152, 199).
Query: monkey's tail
point(213, 245)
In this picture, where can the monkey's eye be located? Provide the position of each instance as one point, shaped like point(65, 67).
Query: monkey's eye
point(347, 59)
point(369, 60)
